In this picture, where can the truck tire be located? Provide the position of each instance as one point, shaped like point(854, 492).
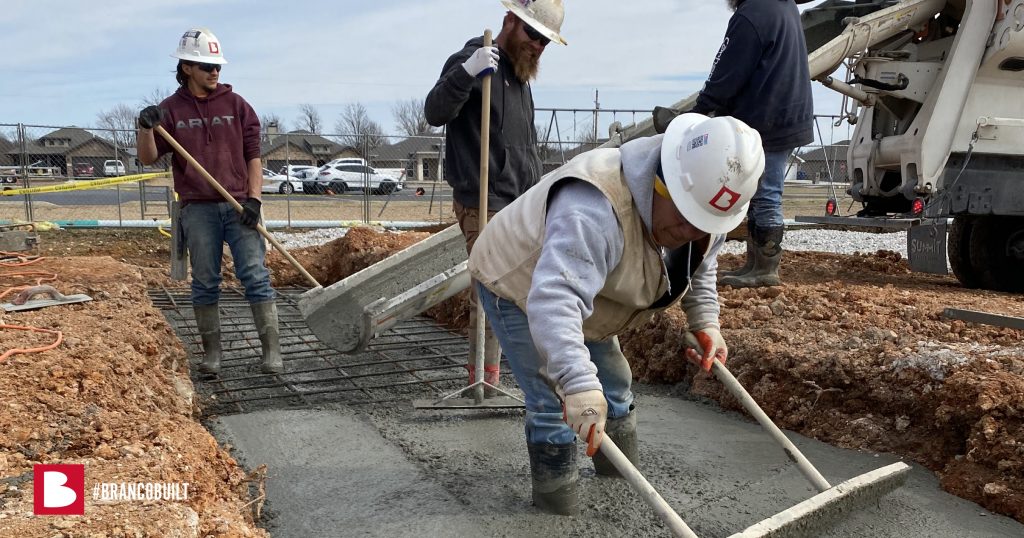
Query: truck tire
point(959, 252)
point(997, 251)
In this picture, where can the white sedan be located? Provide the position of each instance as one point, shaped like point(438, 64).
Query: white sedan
point(277, 183)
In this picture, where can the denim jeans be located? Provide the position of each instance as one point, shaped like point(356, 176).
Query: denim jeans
point(544, 423)
point(766, 205)
point(207, 226)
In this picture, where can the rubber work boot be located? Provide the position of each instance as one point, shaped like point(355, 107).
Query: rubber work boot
point(208, 323)
point(555, 478)
point(767, 255)
point(264, 315)
point(748, 264)
point(622, 431)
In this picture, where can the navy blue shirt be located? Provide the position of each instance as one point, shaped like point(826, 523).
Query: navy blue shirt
point(760, 75)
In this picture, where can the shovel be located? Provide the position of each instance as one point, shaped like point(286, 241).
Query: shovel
point(228, 198)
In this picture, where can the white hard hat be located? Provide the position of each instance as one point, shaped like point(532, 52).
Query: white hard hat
point(545, 16)
point(711, 167)
point(201, 46)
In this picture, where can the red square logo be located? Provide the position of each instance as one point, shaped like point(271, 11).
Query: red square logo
point(58, 490)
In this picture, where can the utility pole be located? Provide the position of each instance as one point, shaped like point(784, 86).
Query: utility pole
point(597, 107)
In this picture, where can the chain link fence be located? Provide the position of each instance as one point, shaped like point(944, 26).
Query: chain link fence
point(310, 180)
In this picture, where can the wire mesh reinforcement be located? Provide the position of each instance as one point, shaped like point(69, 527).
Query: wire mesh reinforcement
point(415, 359)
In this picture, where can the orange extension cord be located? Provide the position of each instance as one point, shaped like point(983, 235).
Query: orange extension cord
point(39, 277)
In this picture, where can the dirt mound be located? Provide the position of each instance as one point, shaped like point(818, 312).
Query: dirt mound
point(328, 263)
point(116, 397)
point(854, 351)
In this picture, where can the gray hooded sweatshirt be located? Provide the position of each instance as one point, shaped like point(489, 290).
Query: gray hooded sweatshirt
point(580, 220)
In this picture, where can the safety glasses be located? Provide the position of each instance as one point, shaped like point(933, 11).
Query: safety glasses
point(535, 35)
point(208, 68)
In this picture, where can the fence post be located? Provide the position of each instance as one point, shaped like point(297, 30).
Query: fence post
point(23, 146)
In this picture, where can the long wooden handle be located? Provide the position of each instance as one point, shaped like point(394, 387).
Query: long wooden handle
point(645, 489)
point(809, 471)
point(485, 139)
point(230, 199)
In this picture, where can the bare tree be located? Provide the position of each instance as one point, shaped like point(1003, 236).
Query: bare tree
point(309, 119)
point(119, 123)
point(358, 130)
point(410, 118)
point(156, 96)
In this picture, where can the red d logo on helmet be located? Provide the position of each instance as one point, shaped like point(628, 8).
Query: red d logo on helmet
point(725, 199)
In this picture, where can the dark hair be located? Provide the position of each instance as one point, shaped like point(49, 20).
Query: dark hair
point(180, 75)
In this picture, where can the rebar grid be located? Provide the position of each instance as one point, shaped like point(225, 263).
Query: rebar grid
point(415, 356)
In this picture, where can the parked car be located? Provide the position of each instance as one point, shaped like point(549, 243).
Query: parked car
point(279, 183)
point(344, 177)
point(113, 168)
point(346, 160)
point(84, 170)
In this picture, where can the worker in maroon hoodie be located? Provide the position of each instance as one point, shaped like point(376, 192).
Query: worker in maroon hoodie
point(222, 132)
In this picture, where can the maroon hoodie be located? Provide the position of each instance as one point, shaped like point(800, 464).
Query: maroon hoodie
point(221, 131)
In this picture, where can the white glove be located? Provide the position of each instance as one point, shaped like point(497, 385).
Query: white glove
point(483, 62)
point(586, 412)
point(706, 345)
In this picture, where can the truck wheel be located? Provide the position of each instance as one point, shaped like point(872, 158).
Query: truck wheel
point(997, 251)
point(959, 252)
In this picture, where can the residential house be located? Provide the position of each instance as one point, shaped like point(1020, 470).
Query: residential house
point(419, 156)
point(825, 163)
point(67, 148)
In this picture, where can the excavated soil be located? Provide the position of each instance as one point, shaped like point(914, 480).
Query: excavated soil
point(852, 350)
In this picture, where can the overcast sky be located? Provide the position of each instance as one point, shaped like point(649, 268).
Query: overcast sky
point(67, 60)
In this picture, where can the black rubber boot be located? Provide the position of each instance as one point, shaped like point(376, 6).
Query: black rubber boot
point(622, 431)
point(208, 323)
point(748, 264)
point(767, 255)
point(264, 315)
point(555, 478)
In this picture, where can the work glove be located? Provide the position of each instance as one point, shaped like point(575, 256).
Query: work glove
point(483, 62)
point(586, 412)
point(705, 346)
point(150, 117)
point(251, 212)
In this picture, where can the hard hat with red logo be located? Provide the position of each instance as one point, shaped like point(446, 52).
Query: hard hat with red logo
point(711, 167)
point(544, 16)
point(201, 46)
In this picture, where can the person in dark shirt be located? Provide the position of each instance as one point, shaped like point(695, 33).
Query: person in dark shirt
point(222, 132)
point(760, 76)
point(514, 162)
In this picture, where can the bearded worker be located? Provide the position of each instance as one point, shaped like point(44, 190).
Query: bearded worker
point(455, 102)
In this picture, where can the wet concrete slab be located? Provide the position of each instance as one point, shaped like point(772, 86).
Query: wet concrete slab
point(395, 471)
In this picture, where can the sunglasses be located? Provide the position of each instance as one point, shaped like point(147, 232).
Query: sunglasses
point(208, 68)
point(535, 35)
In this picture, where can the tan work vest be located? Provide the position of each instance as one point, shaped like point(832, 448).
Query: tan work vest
point(506, 254)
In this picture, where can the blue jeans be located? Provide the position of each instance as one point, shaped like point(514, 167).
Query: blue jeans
point(207, 226)
point(766, 205)
point(544, 424)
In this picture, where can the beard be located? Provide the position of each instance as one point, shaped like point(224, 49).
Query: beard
point(525, 62)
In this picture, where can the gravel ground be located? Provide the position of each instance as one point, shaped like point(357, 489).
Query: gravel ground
point(834, 241)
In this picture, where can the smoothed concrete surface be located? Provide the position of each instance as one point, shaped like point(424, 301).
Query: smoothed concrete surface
point(395, 471)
